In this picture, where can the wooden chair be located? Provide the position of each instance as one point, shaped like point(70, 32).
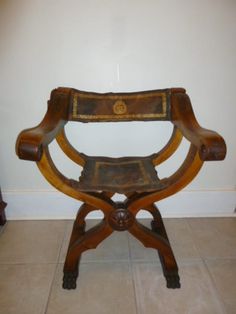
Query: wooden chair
point(134, 177)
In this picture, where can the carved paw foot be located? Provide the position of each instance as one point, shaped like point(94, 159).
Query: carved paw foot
point(69, 279)
point(172, 280)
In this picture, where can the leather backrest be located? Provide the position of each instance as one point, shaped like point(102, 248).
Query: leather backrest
point(137, 106)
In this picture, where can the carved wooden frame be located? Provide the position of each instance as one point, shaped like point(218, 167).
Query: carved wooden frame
point(32, 144)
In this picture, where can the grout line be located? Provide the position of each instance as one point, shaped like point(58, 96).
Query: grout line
point(221, 258)
point(55, 270)
point(26, 263)
point(214, 287)
point(132, 276)
point(50, 289)
point(216, 291)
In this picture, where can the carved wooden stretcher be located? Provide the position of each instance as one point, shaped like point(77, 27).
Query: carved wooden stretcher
point(134, 177)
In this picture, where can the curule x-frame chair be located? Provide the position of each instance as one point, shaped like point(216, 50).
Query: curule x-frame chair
point(134, 177)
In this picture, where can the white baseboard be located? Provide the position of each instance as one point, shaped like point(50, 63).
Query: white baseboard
point(27, 205)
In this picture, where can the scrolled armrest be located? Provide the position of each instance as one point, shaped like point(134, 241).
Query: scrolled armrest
point(210, 144)
point(30, 142)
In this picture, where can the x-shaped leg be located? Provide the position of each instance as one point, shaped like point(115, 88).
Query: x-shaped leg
point(153, 239)
point(119, 219)
point(81, 241)
point(84, 241)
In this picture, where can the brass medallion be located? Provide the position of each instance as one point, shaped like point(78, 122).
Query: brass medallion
point(119, 107)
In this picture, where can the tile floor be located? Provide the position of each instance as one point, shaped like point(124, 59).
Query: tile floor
point(120, 276)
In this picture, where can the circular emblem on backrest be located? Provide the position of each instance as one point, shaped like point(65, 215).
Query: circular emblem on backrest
point(119, 107)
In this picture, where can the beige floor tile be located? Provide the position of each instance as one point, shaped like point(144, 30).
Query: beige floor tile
point(31, 241)
point(1, 230)
point(214, 237)
point(196, 295)
point(115, 247)
point(24, 288)
point(102, 288)
point(224, 277)
point(180, 238)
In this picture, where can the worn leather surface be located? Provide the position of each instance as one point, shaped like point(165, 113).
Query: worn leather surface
point(96, 107)
point(120, 175)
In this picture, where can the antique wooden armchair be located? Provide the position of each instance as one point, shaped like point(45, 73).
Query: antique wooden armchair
point(134, 177)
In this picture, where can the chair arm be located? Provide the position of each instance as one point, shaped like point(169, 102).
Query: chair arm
point(210, 144)
point(30, 142)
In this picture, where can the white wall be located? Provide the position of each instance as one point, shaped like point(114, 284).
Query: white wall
point(116, 45)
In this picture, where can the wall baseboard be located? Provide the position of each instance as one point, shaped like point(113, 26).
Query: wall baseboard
point(42, 205)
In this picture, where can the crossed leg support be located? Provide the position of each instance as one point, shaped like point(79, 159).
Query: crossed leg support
point(81, 241)
point(170, 269)
point(121, 216)
point(119, 219)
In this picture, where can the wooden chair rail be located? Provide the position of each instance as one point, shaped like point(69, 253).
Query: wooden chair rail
point(168, 150)
point(210, 144)
point(68, 149)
